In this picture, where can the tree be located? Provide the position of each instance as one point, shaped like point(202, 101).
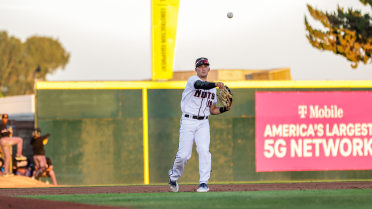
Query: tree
point(347, 33)
point(22, 63)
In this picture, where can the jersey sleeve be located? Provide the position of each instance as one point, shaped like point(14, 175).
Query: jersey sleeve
point(204, 85)
point(191, 81)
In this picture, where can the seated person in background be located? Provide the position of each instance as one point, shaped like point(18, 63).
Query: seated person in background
point(6, 141)
point(37, 142)
point(22, 168)
point(50, 172)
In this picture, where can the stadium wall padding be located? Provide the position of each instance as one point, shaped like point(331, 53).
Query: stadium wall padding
point(97, 137)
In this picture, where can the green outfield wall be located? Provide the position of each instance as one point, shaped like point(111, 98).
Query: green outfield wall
point(110, 133)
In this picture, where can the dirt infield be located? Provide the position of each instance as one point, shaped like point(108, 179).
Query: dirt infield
point(19, 203)
point(186, 188)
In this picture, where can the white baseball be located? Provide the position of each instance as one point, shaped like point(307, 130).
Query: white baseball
point(230, 14)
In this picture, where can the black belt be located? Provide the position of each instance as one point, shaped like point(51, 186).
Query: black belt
point(196, 117)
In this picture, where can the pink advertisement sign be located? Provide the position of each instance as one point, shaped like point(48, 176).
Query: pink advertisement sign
point(313, 131)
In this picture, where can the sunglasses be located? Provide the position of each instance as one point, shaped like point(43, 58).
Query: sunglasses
point(202, 62)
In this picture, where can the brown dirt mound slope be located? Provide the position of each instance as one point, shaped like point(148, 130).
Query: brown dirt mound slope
point(21, 182)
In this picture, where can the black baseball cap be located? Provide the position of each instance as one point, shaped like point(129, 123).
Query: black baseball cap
point(201, 61)
point(4, 116)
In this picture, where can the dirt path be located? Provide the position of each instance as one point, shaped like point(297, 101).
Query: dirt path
point(185, 188)
point(20, 203)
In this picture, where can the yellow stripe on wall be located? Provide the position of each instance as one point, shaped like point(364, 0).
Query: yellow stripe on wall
point(110, 85)
point(182, 84)
point(146, 172)
point(299, 84)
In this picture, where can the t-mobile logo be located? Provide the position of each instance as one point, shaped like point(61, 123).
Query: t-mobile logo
point(302, 110)
point(317, 111)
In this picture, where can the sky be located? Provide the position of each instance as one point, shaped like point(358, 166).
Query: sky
point(111, 39)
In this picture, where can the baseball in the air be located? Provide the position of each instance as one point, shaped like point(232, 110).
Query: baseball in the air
point(230, 14)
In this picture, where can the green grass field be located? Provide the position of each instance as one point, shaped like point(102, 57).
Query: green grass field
point(298, 199)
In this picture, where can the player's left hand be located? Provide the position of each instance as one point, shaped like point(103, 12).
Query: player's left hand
point(220, 85)
point(225, 97)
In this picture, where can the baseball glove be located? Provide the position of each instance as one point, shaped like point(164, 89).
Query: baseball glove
point(225, 96)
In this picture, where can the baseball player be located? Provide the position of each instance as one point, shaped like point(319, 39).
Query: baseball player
point(6, 140)
point(40, 161)
point(199, 100)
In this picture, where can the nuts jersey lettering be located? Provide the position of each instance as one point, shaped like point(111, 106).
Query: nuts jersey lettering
point(197, 101)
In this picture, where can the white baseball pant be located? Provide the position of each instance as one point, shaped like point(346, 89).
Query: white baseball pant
point(190, 130)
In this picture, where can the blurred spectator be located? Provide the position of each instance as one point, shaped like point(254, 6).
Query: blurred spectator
point(23, 168)
point(1, 166)
point(50, 172)
point(38, 143)
point(7, 141)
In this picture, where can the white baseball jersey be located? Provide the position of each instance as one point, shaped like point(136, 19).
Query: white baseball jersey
point(197, 101)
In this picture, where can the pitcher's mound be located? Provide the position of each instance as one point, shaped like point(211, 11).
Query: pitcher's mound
point(21, 182)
